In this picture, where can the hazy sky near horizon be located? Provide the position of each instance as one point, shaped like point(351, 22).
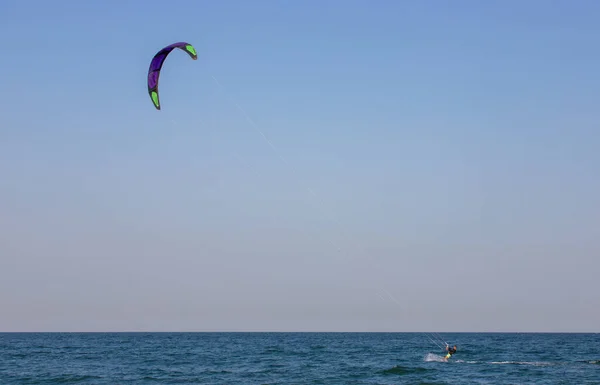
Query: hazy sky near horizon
point(452, 148)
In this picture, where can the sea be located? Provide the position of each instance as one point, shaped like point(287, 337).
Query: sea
point(298, 358)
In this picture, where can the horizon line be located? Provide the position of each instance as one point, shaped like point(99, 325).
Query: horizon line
point(289, 332)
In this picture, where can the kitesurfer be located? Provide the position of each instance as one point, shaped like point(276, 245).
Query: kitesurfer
point(451, 351)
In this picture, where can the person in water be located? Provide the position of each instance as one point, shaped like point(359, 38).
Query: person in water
point(451, 351)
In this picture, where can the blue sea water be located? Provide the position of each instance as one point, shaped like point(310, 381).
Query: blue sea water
point(297, 358)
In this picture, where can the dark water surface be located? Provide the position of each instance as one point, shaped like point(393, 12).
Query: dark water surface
point(297, 358)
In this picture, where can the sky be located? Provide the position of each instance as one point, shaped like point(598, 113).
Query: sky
point(323, 166)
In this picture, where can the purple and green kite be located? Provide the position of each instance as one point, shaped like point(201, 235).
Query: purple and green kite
point(156, 65)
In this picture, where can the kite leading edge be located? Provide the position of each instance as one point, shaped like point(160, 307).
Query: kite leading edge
point(157, 63)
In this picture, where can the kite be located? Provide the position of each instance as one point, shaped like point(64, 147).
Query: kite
point(156, 65)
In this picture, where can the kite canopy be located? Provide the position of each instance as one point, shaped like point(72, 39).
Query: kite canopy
point(157, 63)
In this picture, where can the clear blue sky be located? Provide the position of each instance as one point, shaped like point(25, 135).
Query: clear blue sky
point(453, 148)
